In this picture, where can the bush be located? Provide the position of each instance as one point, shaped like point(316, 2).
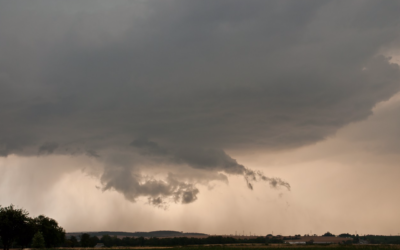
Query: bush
point(38, 241)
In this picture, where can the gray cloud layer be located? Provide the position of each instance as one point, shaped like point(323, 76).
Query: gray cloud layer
point(198, 77)
point(207, 159)
point(134, 186)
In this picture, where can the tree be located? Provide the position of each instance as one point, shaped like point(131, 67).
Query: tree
point(356, 239)
point(25, 237)
point(13, 223)
point(329, 234)
point(93, 241)
point(85, 240)
point(38, 240)
point(71, 242)
point(67, 243)
point(53, 234)
point(106, 239)
point(74, 241)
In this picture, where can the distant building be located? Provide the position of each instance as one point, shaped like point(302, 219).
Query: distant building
point(99, 245)
point(296, 242)
point(318, 240)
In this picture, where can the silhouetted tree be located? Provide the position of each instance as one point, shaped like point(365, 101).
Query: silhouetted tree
point(67, 243)
point(328, 234)
point(85, 240)
point(27, 233)
point(106, 240)
point(74, 241)
point(93, 241)
point(38, 240)
point(13, 222)
point(71, 242)
point(356, 239)
point(53, 234)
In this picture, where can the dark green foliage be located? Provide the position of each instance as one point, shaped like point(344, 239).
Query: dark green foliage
point(93, 241)
point(38, 240)
point(158, 234)
point(113, 241)
point(106, 239)
point(346, 235)
point(74, 242)
point(88, 241)
point(373, 239)
point(53, 234)
point(71, 242)
point(25, 237)
point(356, 239)
point(381, 239)
point(274, 240)
point(85, 240)
point(328, 234)
point(12, 224)
point(17, 229)
point(176, 241)
point(67, 243)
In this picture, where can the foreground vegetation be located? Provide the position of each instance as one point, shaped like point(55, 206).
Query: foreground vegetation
point(18, 230)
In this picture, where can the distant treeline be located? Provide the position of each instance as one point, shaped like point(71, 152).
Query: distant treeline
point(113, 241)
point(373, 239)
point(381, 239)
point(159, 234)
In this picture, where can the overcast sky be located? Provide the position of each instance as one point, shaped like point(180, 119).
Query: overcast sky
point(207, 116)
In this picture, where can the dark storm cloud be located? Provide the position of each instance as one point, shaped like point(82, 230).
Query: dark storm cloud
point(148, 147)
point(92, 153)
point(197, 77)
point(48, 148)
point(134, 186)
point(195, 157)
point(207, 159)
point(157, 202)
point(251, 175)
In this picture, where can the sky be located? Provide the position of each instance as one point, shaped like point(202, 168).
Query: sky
point(202, 116)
